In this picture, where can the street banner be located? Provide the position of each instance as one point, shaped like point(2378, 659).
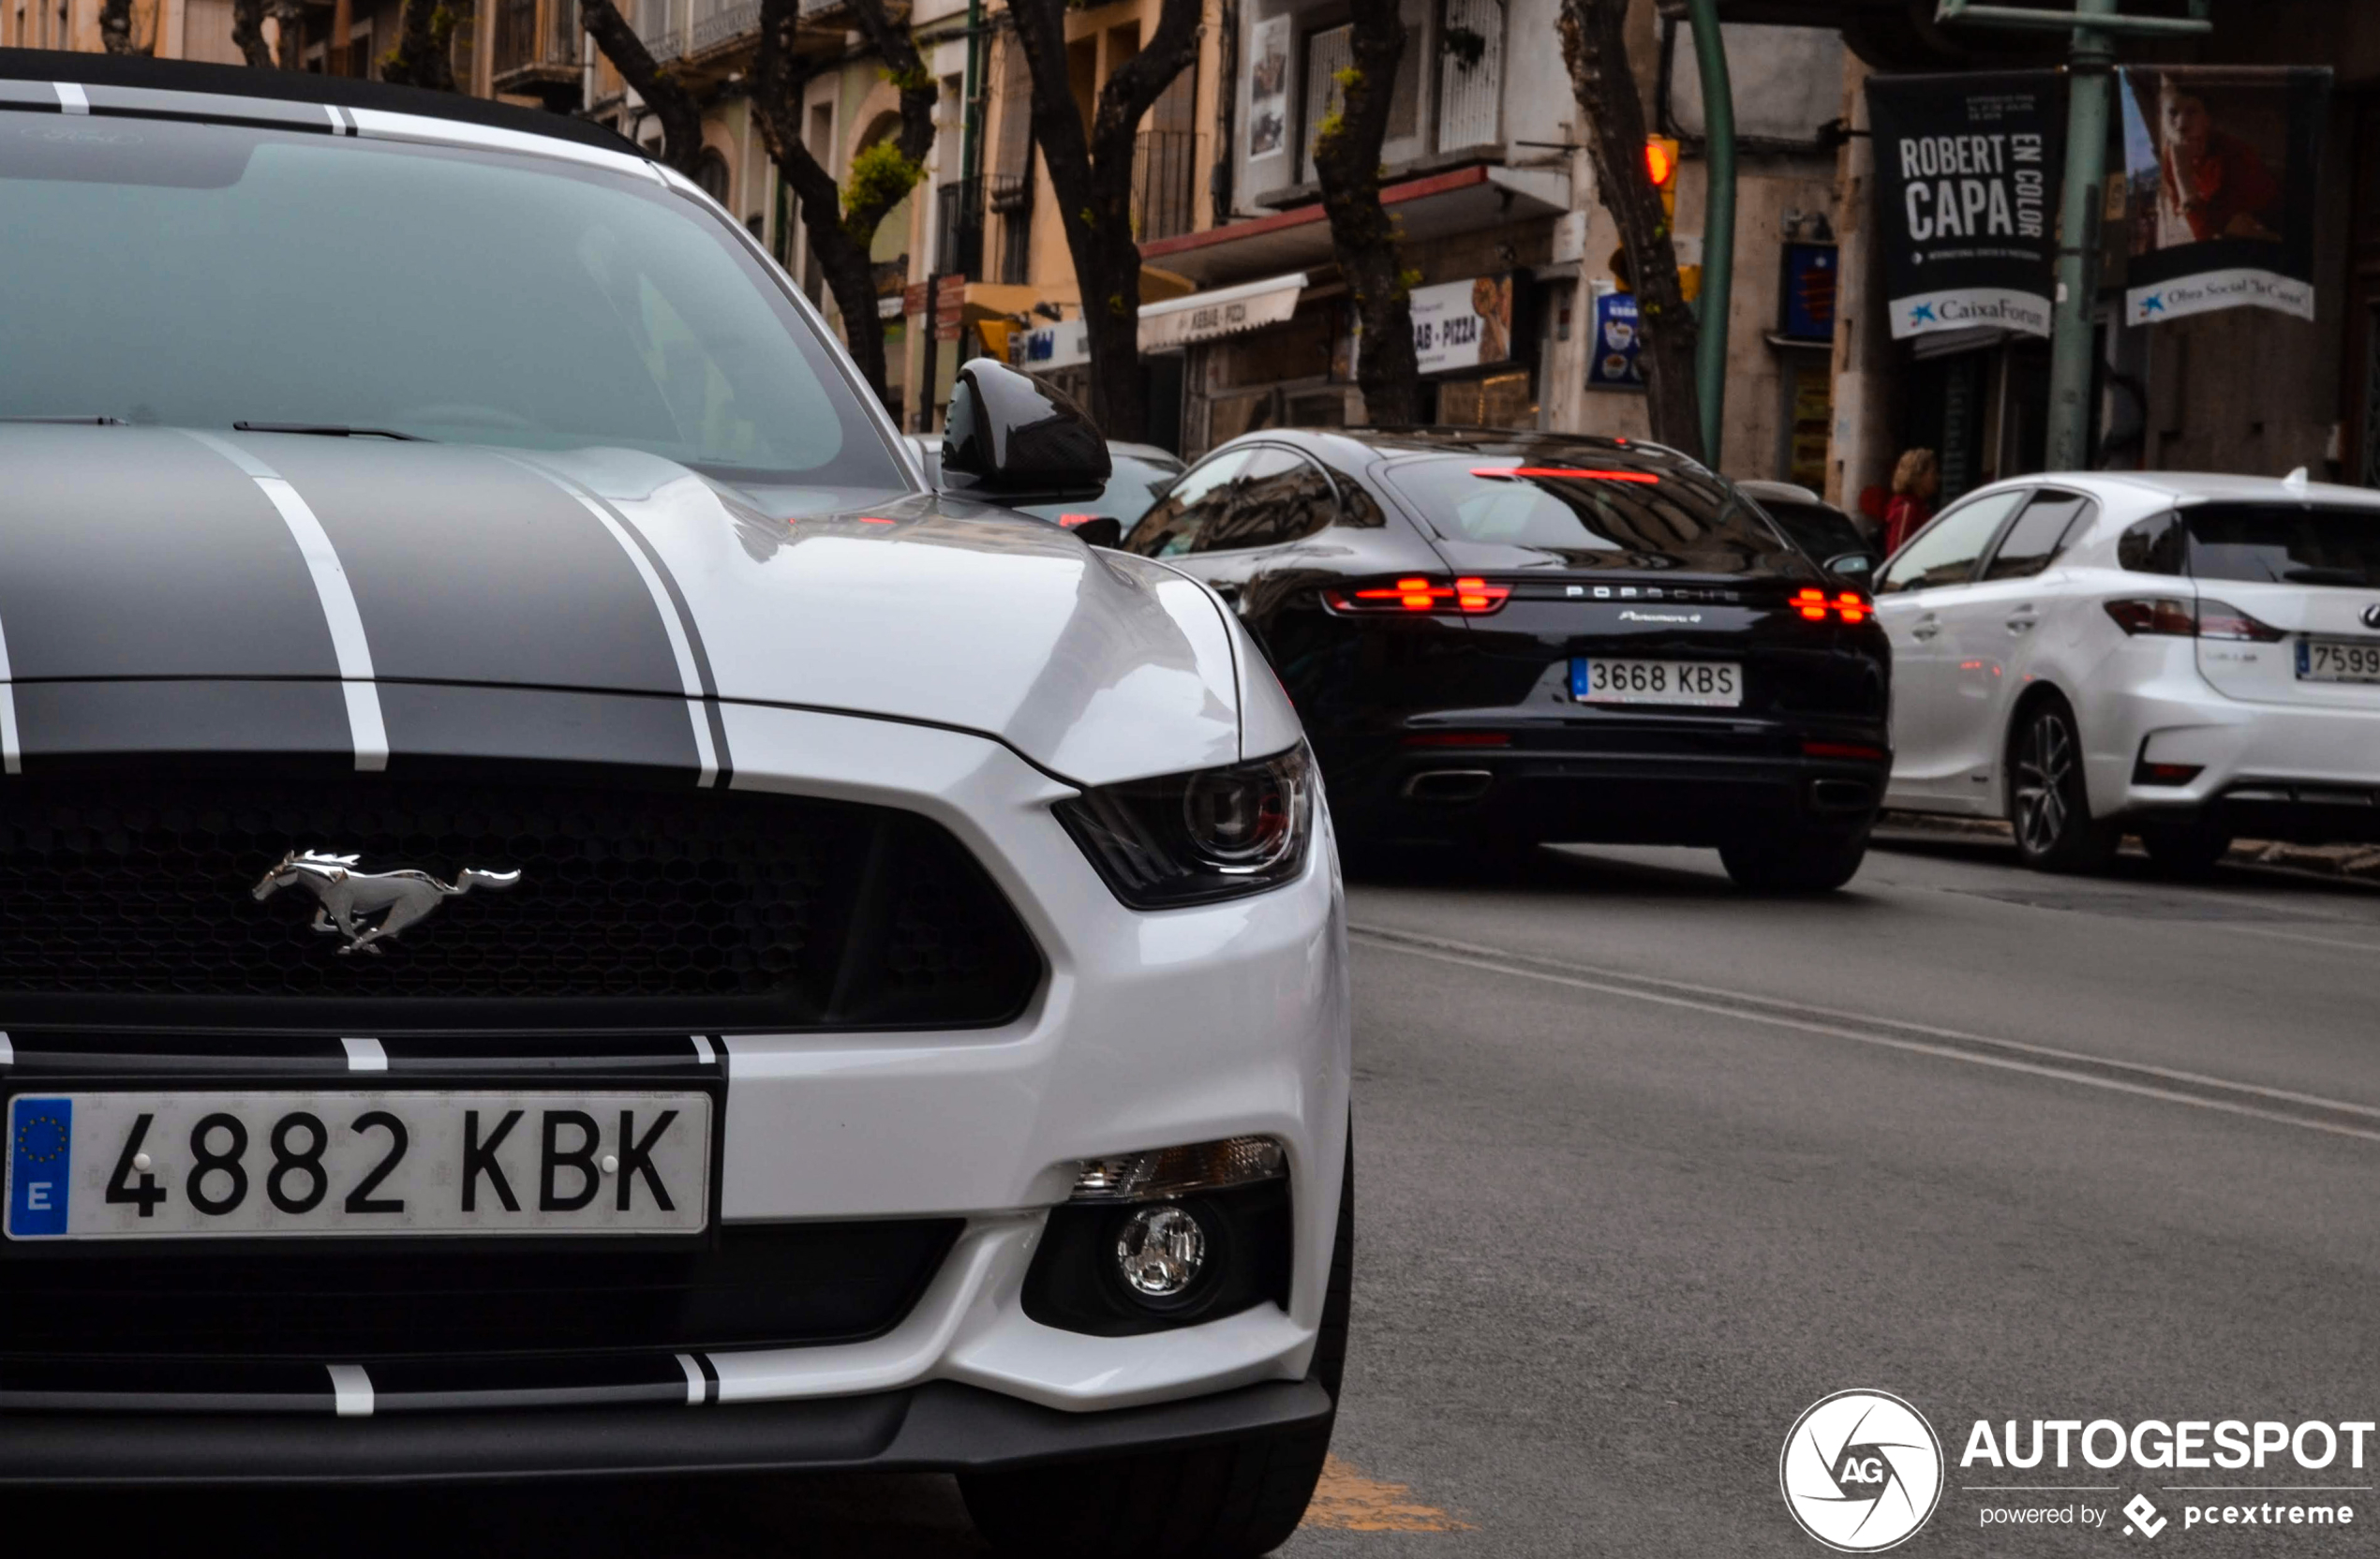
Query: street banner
point(2219, 188)
point(1612, 351)
point(1966, 175)
point(1461, 324)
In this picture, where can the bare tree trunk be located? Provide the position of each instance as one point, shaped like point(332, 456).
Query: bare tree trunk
point(672, 102)
point(289, 17)
point(247, 33)
point(425, 51)
point(1597, 51)
point(115, 26)
point(841, 221)
point(1347, 160)
point(1092, 178)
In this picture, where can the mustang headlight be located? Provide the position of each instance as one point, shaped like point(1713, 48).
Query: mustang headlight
point(1192, 838)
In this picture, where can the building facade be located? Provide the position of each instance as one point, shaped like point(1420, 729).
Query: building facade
point(1522, 315)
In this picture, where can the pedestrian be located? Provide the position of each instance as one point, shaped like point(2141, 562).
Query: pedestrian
point(1915, 480)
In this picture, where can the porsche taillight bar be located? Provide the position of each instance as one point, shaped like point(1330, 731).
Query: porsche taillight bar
point(1417, 593)
point(1815, 605)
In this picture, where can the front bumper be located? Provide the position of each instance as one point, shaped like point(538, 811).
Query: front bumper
point(1151, 1030)
point(935, 1427)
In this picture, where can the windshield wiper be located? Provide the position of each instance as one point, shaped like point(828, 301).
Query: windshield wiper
point(331, 430)
point(72, 422)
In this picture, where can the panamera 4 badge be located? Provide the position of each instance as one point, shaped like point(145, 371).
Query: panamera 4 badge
point(367, 907)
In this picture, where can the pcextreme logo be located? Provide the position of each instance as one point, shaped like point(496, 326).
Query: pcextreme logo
point(1861, 1471)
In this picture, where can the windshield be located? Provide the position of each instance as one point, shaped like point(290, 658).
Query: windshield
point(1138, 481)
point(203, 275)
point(1589, 515)
point(2285, 543)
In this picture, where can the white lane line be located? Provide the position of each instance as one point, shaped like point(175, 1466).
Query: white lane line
point(331, 588)
point(693, 1379)
point(350, 1390)
point(1396, 943)
point(365, 1055)
point(71, 97)
point(2299, 936)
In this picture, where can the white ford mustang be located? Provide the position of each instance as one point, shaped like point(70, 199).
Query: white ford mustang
point(561, 913)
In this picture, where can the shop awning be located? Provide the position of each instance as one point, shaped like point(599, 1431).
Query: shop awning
point(1225, 311)
point(1463, 199)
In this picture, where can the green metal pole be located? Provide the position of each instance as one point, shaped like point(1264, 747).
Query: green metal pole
point(1718, 223)
point(2071, 341)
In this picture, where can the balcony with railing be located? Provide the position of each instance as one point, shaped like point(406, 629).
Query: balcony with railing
point(1010, 197)
point(959, 228)
point(537, 49)
point(1165, 174)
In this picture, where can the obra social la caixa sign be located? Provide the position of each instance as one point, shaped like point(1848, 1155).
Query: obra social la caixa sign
point(1862, 1471)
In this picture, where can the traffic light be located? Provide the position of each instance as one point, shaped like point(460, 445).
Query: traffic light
point(1661, 166)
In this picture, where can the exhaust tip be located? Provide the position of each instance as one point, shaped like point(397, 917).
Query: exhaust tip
point(1446, 786)
point(1841, 795)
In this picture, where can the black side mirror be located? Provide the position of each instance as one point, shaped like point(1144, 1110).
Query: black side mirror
point(1098, 530)
point(1012, 439)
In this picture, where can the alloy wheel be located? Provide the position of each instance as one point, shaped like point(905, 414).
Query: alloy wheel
point(2044, 773)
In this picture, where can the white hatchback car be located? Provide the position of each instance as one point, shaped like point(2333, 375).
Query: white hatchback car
point(2188, 658)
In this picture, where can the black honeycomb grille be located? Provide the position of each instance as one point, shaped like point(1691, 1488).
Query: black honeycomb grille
point(716, 907)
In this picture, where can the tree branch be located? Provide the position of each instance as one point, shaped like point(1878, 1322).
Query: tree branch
point(1346, 161)
point(425, 51)
point(672, 102)
point(1596, 49)
point(247, 33)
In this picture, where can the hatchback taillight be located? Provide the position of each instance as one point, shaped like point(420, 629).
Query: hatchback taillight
point(1816, 605)
point(1469, 596)
point(2199, 619)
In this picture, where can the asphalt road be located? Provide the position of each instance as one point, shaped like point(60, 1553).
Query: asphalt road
point(1646, 1167)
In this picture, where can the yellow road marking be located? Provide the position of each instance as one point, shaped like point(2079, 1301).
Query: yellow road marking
point(1349, 1501)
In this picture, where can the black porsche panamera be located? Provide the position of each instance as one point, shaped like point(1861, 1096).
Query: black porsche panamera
point(1498, 639)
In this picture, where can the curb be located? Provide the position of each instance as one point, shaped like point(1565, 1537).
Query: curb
point(2360, 862)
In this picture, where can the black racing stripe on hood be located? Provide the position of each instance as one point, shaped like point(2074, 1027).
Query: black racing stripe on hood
point(429, 725)
point(82, 722)
point(137, 552)
point(467, 568)
point(693, 631)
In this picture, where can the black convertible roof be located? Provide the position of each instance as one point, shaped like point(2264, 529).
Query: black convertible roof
point(137, 73)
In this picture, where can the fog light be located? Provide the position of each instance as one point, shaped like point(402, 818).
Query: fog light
point(1160, 1251)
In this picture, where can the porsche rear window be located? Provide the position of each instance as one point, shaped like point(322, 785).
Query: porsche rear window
point(1592, 515)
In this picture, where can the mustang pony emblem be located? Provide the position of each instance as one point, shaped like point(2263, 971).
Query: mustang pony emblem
point(344, 895)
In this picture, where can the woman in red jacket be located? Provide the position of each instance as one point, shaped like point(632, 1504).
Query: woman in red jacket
point(1915, 480)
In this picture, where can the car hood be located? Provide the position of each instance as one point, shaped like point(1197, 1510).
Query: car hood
point(636, 591)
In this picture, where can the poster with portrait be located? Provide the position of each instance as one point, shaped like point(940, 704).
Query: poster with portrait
point(1269, 88)
point(1967, 176)
point(2219, 188)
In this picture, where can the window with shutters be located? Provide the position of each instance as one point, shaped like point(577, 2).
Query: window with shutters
point(1327, 53)
point(1470, 75)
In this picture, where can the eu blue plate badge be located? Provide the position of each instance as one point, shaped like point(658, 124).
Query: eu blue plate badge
point(41, 1139)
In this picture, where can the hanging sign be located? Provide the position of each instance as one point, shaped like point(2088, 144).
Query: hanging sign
point(2219, 188)
point(1463, 324)
point(1967, 176)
